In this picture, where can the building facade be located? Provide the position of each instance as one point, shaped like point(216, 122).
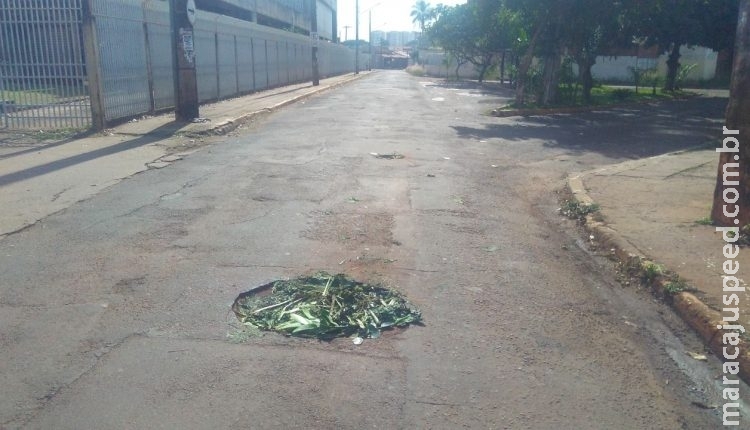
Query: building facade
point(294, 15)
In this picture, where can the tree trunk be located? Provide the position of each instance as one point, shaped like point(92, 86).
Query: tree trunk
point(484, 67)
point(724, 65)
point(482, 72)
point(673, 66)
point(523, 67)
point(587, 79)
point(502, 68)
point(551, 80)
point(735, 157)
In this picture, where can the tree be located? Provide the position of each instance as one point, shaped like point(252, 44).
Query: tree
point(720, 22)
point(421, 13)
point(671, 24)
point(475, 32)
point(593, 27)
point(535, 18)
point(454, 32)
point(737, 118)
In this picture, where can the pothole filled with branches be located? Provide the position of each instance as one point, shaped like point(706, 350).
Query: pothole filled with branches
point(325, 306)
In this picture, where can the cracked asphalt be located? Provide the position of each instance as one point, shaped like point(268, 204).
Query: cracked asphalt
point(114, 312)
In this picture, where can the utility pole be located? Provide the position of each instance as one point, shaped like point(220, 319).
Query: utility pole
point(314, 39)
point(182, 18)
point(346, 32)
point(369, 39)
point(356, 31)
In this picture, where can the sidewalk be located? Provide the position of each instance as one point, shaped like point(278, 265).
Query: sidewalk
point(41, 179)
point(651, 208)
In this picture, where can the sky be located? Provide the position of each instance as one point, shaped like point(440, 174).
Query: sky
point(387, 15)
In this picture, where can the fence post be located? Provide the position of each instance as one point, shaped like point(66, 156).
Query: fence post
point(149, 65)
point(252, 61)
point(236, 68)
point(218, 69)
point(93, 71)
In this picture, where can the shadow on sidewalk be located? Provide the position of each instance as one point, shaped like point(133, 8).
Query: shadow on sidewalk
point(621, 132)
point(156, 134)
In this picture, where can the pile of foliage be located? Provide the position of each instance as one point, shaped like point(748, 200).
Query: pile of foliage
point(326, 306)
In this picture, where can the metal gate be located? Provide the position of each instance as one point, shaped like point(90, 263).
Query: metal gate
point(74, 64)
point(42, 68)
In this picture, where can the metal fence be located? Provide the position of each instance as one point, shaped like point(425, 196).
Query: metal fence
point(43, 70)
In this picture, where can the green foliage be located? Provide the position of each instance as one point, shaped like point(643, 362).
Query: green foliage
point(645, 77)
point(683, 74)
point(574, 209)
point(675, 286)
point(57, 134)
point(421, 13)
point(621, 94)
point(705, 221)
point(326, 306)
point(651, 271)
point(475, 33)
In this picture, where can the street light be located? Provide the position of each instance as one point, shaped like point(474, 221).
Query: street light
point(356, 38)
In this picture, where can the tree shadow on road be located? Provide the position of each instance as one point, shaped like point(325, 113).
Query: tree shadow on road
point(622, 132)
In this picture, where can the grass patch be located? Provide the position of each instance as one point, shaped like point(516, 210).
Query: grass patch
point(705, 221)
point(59, 134)
point(651, 271)
point(675, 286)
point(29, 97)
point(605, 96)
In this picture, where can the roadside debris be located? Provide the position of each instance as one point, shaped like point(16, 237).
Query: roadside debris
point(393, 156)
point(325, 306)
point(696, 356)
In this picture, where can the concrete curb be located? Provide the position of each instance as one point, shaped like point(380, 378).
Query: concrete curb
point(699, 316)
point(232, 124)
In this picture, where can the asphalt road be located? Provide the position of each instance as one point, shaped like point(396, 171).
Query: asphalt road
point(115, 313)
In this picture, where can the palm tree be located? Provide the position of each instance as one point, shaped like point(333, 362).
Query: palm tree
point(421, 12)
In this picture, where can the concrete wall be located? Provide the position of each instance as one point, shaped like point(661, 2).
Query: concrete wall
point(606, 68)
point(435, 64)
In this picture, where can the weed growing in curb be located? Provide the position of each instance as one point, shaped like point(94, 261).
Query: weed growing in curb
point(574, 209)
point(675, 286)
point(651, 271)
point(704, 221)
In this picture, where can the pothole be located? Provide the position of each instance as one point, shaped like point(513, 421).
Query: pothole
point(325, 306)
point(392, 156)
